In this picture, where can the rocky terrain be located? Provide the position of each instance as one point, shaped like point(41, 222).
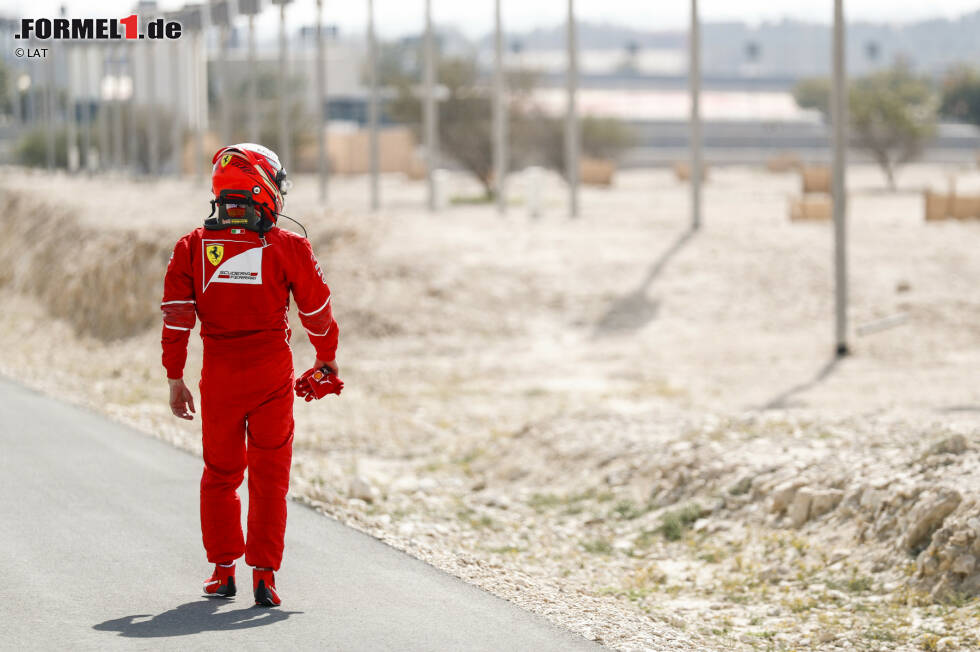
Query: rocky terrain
point(636, 431)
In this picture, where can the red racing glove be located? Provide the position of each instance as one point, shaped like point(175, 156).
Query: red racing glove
point(317, 383)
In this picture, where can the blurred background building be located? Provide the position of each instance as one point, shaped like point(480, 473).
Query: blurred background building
point(635, 77)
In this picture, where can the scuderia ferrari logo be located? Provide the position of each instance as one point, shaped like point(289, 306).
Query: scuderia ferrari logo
point(215, 253)
point(225, 159)
point(238, 262)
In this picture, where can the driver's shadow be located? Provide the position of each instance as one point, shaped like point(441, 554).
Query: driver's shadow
point(193, 618)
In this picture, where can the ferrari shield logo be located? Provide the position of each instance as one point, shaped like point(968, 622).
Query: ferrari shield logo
point(225, 159)
point(215, 253)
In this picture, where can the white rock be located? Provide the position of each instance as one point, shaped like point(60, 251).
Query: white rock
point(946, 643)
point(406, 529)
point(952, 445)
point(783, 494)
point(825, 501)
point(427, 484)
point(964, 564)
point(826, 636)
point(799, 510)
point(928, 514)
point(974, 524)
point(362, 490)
point(405, 484)
point(622, 545)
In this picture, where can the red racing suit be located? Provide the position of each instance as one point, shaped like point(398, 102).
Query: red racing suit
point(239, 285)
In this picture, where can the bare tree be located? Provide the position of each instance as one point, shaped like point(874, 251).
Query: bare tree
point(892, 114)
point(465, 111)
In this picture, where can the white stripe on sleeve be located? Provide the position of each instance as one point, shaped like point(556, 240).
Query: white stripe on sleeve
point(325, 304)
point(316, 334)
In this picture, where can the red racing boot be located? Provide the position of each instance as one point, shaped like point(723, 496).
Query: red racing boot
point(264, 585)
point(221, 584)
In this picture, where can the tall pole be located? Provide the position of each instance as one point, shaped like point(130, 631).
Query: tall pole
point(285, 153)
point(198, 61)
point(201, 92)
point(105, 104)
point(29, 103)
point(253, 93)
point(223, 15)
point(30, 97)
point(49, 112)
point(838, 118)
point(321, 131)
point(117, 106)
point(87, 99)
point(373, 153)
point(499, 113)
point(18, 93)
point(224, 100)
point(228, 15)
point(250, 8)
point(177, 82)
point(571, 115)
point(72, 133)
point(697, 155)
point(153, 113)
point(132, 129)
point(69, 116)
point(430, 117)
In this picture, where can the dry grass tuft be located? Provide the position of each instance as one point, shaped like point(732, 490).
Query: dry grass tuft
point(106, 284)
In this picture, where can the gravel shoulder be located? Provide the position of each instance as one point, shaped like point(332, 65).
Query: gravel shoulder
point(634, 431)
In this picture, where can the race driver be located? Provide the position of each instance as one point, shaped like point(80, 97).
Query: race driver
point(235, 273)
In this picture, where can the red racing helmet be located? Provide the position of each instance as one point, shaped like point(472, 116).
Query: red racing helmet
point(252, 170)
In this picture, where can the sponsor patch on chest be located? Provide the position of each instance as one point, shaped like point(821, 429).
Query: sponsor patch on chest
point(231, 261)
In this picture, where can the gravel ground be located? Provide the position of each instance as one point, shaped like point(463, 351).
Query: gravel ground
point(636, 431)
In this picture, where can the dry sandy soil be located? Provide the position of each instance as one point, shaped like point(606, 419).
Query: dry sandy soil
point(633, 430)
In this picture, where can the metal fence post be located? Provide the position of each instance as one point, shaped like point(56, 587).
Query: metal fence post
point(285, 146)
point(571, 114)
point(374, 153)
point(696, 144)
point(430, 109)
point(321, 91)
point(839, 121)
point(500, 154)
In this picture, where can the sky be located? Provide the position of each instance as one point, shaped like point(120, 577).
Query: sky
point(475, 17)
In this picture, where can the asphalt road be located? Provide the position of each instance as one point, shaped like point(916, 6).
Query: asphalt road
point(101, 545)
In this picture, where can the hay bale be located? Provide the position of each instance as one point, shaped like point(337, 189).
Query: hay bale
point(811, 208)
point(683, 171)
point(942, 206)
point(596, 171)
point(349, 153)
point(936, 205)
point(784, 162)
point(816, 178)
point(965, 207)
